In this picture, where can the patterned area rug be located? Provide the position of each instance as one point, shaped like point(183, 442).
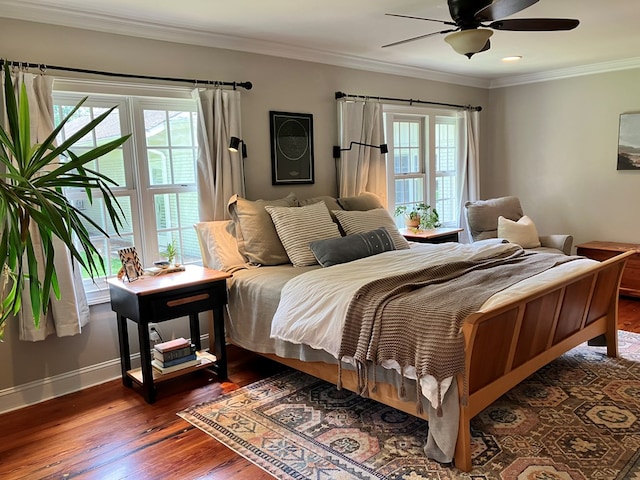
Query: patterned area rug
point(577, 418)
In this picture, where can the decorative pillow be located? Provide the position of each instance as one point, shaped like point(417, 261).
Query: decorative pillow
point(482, 215)
point(364, 201)
point(257, 237)
point(218, 246)
point(299, 226)
point(523, 232)
point(330, 202)
point(355, 221)
point(352, 247)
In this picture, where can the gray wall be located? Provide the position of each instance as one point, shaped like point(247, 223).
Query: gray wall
point(554, 144)
point(279, 84)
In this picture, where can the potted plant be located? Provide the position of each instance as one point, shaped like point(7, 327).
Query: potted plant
point(419, 216)
point(32, 179)
point(411, 217)
point(170, 253)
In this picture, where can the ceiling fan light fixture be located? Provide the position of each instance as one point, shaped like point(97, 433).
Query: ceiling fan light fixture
point(469, 42)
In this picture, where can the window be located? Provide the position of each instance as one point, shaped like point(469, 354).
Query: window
point(154, 174)
point(425, 146)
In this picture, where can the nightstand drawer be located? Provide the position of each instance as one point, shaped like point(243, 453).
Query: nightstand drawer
point(197, 299)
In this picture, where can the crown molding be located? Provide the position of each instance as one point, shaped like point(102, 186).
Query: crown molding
point(63, 16)
point(559, 74)
point(73, 18)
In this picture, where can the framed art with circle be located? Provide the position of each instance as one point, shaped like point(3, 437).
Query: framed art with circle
point(291, 147)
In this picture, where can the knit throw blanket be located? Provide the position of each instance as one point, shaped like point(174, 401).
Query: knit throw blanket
point(416, 318)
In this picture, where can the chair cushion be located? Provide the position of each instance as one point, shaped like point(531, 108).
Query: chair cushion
point(482, 215)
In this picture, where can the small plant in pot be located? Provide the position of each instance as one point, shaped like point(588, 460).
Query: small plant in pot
point(171, 253)
point(420, 216)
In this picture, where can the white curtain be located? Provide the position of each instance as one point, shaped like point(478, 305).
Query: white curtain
point(220, 172)
point(361, 169)
point(469, 169)
point(68, 315)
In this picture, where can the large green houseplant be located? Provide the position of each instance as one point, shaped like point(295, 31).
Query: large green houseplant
point(32, 179)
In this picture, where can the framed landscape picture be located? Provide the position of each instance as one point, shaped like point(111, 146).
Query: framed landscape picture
point(291, 147)
point(629, 142)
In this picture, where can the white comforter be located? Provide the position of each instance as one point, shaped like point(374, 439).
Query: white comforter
point(313, 305)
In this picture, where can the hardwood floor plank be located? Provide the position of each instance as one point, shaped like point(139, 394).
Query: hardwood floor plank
point(110, 432)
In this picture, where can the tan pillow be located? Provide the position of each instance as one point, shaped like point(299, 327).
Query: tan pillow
point(364, 201)
point(523, 232)
point(297, 227)
point(330, 202)
point(257, 237)
point(357, 221)
point(218, 246)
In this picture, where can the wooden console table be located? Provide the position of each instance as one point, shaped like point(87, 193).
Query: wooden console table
point(153, 299)
point(630, 283)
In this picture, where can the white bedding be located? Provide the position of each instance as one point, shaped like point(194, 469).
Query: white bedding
point(313, 305)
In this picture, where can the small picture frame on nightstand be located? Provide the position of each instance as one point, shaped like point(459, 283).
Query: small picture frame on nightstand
point(130, 263)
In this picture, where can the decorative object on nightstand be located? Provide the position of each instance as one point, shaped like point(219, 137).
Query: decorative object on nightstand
point(421, 216)
point(170, 253)
point(155, 299)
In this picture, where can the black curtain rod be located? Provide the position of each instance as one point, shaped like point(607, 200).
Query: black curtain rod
point(411, 101)
point(43, 67)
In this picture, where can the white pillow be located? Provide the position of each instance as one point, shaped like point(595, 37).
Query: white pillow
point(297, 227)
point(218, 246)
point(355, 221)
point(523, 232)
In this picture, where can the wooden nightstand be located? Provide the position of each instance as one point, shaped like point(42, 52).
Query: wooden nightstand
point(435, 235)
point(154, 299)
point(630, 283)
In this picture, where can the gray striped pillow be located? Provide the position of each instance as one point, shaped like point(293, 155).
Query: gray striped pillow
point(297, 227)
point(354, 221)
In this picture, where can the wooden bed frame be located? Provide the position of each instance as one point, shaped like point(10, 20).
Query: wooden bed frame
point(506, 344)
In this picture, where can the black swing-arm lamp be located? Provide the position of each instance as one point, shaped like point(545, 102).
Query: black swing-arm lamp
point(234, 143)
point(336, 148)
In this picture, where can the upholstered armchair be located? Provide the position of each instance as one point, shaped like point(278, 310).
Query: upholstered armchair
point(482, 217)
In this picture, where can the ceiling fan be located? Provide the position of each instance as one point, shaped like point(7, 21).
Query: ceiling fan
point(467, 38)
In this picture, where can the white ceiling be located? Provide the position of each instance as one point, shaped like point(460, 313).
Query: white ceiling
point(351, 33)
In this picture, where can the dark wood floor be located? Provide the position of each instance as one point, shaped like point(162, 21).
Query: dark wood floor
point(109, 432)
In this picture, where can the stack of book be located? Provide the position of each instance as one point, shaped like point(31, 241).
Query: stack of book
point(174, 355)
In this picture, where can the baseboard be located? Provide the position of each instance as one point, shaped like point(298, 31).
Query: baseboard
point(14, 398)
point(51, 387)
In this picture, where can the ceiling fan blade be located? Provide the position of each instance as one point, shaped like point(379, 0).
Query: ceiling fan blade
point(419, 18)
point(502, 8)
point(535, 24)
point(413, 39)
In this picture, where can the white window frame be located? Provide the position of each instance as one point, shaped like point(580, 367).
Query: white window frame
point(131, 99)
point(427, 152)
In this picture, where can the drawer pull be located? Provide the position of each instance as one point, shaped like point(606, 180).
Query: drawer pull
point(182, 301)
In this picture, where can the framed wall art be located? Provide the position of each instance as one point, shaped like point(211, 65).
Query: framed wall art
point(629, 142)
point(131, 263)
point(291, 147)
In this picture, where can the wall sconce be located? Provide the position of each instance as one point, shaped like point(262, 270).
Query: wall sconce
point(336, 148)
point(234, 143)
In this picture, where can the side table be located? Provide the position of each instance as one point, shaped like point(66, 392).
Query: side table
point(154, 299)
point(434, 235)
point(630, 282)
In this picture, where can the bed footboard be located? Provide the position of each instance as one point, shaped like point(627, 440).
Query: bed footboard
point(507, 344)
